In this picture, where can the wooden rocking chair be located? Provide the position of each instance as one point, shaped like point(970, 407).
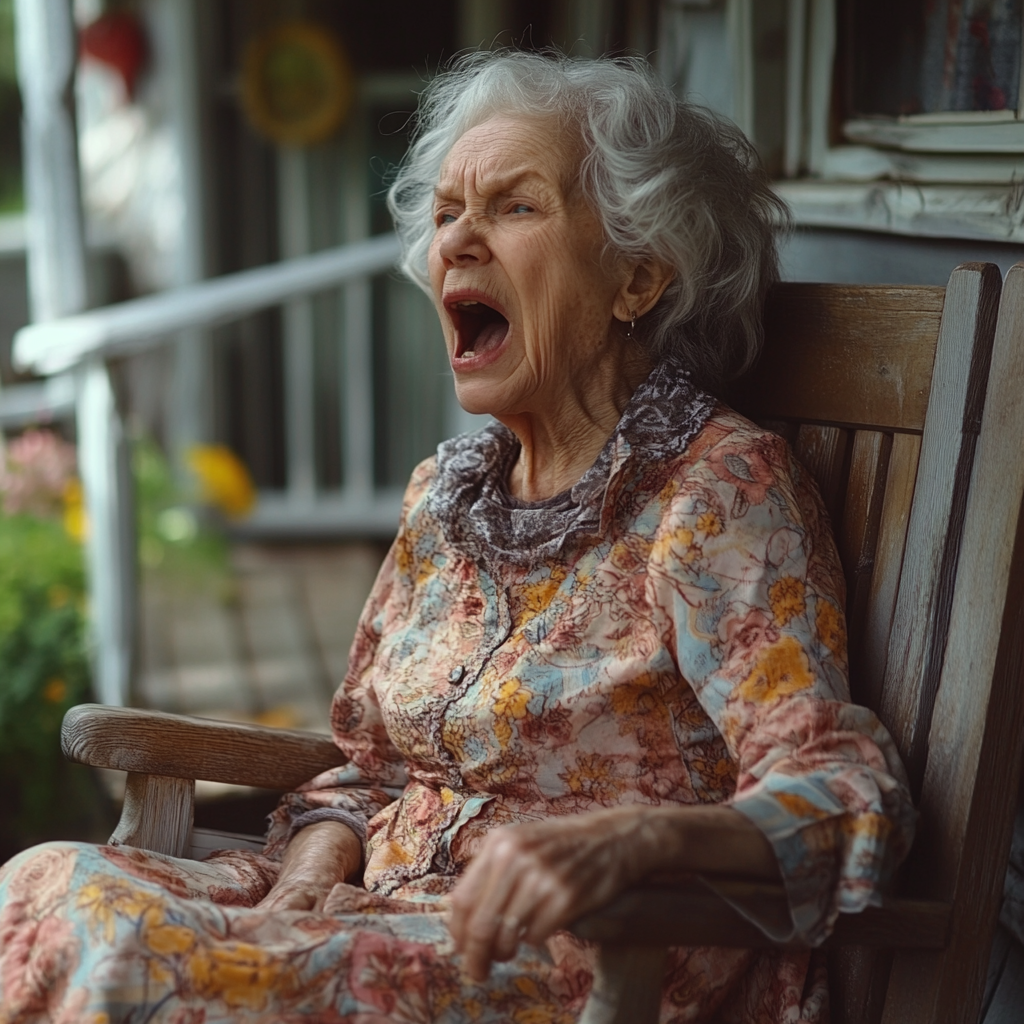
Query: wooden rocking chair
point(908, 406)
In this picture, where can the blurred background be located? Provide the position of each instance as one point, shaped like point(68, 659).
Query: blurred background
point(195, 503)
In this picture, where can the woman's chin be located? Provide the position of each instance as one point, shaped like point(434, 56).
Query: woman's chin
point(479, 398)
point(482, 380)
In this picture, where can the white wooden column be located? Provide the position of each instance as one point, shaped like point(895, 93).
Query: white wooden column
point(821, 46)
point(796, 57)
point(47, 53)
point(179, 69)
point(103, 460)
point(356, 362)
point(299, 364)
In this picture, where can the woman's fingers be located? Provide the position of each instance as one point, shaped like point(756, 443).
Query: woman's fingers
point(478, 904)
point(294, 896)
point(538, 898)
point(528, 881)
point(514, 890)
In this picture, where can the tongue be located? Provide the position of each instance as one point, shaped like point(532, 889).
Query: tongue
point(491, 336)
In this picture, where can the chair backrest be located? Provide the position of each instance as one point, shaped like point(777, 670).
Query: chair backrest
point(879, 390)
point(883, 391)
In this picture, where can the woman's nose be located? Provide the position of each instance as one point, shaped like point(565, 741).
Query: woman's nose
point(463, 243)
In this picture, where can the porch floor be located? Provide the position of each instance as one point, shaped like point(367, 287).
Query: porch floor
point(267, 642)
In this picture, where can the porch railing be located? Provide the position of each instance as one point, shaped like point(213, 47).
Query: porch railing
point(82, 345)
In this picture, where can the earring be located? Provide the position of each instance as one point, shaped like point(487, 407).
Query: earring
point(632, 323)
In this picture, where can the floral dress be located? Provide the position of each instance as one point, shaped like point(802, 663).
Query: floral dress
point(668, 631)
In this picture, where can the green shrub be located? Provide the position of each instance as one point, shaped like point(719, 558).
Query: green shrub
point(44, 670)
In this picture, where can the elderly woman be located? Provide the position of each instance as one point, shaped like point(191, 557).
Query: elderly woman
point(608, 638)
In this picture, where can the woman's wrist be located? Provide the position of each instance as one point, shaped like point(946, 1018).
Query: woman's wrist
point(324, 850)
point(702, 839)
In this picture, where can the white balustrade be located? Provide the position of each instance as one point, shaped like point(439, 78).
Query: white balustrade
point(77, 348)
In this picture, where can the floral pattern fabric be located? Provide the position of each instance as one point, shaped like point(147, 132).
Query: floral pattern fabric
point(671, 632)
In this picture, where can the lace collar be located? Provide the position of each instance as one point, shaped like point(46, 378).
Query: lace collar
point(469, 496)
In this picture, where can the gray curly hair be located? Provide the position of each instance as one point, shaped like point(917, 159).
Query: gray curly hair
point(668, 180)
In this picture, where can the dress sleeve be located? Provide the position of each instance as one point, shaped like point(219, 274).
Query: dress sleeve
point(745, 571)
point(375, 774)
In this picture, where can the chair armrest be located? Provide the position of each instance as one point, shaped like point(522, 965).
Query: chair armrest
point(156, 743)
point(688, 912)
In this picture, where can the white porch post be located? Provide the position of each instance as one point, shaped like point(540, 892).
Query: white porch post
point(47, 51)
point(179, 69)
point(106, 476)
point(299, 335)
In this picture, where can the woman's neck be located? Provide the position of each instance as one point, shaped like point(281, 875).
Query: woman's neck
point(559, 444)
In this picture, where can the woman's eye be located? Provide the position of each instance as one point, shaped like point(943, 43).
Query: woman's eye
point(522, 208)
point(446, 218)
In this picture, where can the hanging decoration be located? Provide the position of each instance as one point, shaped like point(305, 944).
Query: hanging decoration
point(297, 83)
point(116, 39)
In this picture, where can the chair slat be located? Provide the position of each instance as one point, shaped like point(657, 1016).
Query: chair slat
point(858, 536)
point(823, 450)
point(920, 620)
point(885, 575)
point(976, 732)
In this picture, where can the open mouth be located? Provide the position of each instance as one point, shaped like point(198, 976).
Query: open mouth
point(479, 328)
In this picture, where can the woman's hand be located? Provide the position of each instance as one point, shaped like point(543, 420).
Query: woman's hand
point(530, 880)
point(317, 858)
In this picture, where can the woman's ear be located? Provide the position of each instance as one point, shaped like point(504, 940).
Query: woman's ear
point(643, 289)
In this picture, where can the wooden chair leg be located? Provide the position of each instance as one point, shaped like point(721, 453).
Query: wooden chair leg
point(627, 985)
point(157, 814)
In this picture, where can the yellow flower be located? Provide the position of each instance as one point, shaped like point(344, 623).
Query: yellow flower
point(76, 522)
point(709, 523)
point(831, 628)
point(55, 691)
point(240, 974)
point(393, 854)
point(224, 479)
point(678, 545)
point(867, 825)
point(58, 595)
point(782, 669)
point(594, 776)
point(280, 717)
point(636, 697)
point(425, 570)
point(787, 599)
point(510, 703)
point(92, 899)
point(537, 596)
point(104, 902)
point(800, 806)
point(169, 939)
point(528, 987)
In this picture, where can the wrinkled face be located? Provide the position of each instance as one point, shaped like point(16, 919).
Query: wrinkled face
point(524, 296)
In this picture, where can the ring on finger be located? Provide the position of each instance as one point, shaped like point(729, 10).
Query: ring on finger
point(512, 924)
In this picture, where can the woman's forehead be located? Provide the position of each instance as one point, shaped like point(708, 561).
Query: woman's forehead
point(503, 151)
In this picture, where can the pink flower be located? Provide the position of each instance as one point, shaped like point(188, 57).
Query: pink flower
point(39, 469)
point(43, 879)
point(36, 961)
point(749, 468)
point(744, 637)
point(400, 979)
